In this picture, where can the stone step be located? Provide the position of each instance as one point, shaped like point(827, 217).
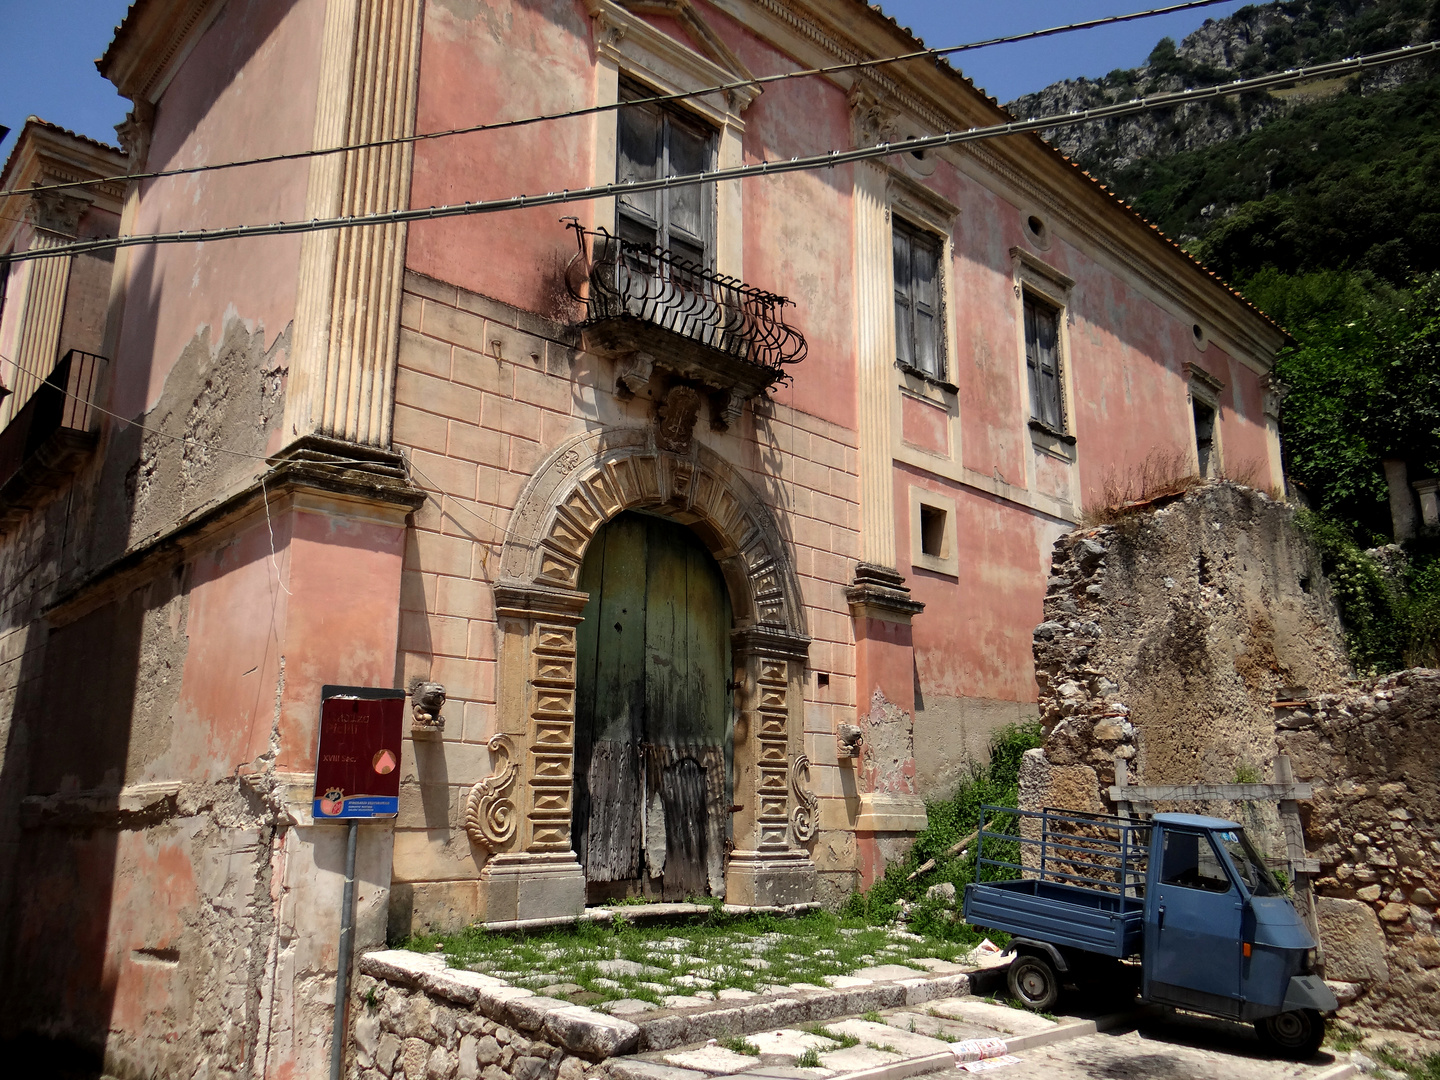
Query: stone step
point(905, 1042)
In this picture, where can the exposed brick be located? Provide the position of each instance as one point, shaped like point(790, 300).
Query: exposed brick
point(453, 476)
point(452, 325)
point(507, 343)
point(482, 640)
point(539, 388)
point(484, 372)
point(473, 680)
point(438, 554)
point(429, 287)
point(464, 597)
point(437, 395)
point(474, 443)
point(423, 430)
point(421, 353)
point(511, 417)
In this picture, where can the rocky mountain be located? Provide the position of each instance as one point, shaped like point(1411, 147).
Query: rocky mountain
point(1255, 40)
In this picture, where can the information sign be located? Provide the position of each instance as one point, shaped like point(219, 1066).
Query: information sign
point(357, 766)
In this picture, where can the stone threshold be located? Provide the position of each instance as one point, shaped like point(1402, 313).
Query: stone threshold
point(595, 1035)
point(640, 913)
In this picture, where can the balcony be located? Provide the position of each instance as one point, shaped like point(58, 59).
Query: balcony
point(49, 435)
point(649, 309)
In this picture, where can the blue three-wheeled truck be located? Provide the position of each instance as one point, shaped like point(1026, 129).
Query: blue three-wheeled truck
point(1186, 896)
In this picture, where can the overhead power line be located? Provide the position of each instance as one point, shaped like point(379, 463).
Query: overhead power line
point(764, 168)
point(591, 110)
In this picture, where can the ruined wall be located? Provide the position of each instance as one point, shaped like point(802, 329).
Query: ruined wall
point(1373, 751)
point(1168, 634)
point(1197, 639)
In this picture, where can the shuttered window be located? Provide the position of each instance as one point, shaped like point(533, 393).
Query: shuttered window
point(917, 299)
point(654, 142)
point(1042, 361)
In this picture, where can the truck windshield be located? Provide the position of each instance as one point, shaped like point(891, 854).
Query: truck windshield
point(1251, 867)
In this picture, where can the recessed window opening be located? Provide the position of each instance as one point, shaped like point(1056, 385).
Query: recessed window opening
point(932, 531)
point(1042, 362)
point(1036, 226)
point(822, 678)
point(917, 299)
point(1204, 436)
point(1198, 332)
point(653, 142)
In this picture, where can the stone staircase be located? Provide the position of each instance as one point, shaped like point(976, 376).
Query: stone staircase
point(413, 1018)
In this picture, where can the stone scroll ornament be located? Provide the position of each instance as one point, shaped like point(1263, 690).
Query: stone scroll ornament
point(802, 818)
point(489, 816)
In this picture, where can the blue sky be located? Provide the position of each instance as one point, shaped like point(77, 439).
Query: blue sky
point(48, 48)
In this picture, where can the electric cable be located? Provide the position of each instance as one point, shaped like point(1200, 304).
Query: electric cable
point(829, 159)
point(591, 110)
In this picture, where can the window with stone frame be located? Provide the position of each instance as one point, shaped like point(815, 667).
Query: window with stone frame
point(654, 141)
point(1042, 363)
point(919, 327)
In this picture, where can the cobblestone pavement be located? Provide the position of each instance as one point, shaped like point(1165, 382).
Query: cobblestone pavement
point(1169, 1048)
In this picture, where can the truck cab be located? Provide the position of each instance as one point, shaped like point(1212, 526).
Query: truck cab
point(1220, 935)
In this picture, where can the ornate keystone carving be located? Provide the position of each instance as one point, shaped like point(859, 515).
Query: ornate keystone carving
point(675, 423)
point(489, 816)
point(803, 818)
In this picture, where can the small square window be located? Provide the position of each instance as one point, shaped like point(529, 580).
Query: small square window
point(932, 531)
point(919, 329)
point(933, 544)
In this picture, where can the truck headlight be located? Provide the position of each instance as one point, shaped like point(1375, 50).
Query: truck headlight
point(1309, 962)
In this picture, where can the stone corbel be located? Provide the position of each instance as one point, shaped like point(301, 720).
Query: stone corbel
point(879, 592)
point(872, 120)
point(134, 133)
point(632, 373)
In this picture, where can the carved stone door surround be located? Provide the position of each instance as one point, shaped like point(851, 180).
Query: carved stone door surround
point(531, 872)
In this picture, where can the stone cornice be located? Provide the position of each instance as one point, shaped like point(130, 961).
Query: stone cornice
point(879, 592)
point(153, 35)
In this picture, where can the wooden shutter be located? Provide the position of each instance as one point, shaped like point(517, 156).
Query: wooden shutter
point(1042, 361)
point(904, 321)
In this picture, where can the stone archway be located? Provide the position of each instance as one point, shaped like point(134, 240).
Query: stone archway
point(522, 814)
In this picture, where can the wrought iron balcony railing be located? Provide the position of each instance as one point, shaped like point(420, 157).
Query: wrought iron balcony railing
point(616, 279)
point(48, 434)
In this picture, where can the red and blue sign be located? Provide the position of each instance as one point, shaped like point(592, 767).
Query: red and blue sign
point(357, 766)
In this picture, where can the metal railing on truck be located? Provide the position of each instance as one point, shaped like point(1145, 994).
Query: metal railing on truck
point(1065, 847)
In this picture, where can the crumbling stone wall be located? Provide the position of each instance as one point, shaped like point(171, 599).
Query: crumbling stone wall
point(1174, 639)
point(1373, 751)
point(1168, 634)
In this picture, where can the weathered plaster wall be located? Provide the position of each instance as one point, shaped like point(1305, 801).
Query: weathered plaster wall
point(485, 393)
point(246, 89)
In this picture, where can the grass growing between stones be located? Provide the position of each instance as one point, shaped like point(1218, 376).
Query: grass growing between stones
point(950, 820)
point(597, 962)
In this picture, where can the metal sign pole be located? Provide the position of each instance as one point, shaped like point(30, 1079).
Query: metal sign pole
point(347, 943)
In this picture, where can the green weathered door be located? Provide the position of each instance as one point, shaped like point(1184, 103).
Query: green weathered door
point(653, 719)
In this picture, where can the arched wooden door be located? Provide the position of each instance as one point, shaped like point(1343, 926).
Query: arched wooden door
point(654, 725)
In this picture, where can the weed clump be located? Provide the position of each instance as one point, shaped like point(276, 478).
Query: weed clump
point(950, 821)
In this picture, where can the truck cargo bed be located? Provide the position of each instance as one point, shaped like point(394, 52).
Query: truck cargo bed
point(1063, 915)
point(1077, 879)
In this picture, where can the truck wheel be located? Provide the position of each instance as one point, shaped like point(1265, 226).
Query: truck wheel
point(1293, 1035)
point(1033, 983)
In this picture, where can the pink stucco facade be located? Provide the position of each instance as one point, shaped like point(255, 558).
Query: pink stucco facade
point(379, 457)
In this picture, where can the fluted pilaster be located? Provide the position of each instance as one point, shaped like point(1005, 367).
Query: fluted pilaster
point(348, 310)
point(875, 348)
